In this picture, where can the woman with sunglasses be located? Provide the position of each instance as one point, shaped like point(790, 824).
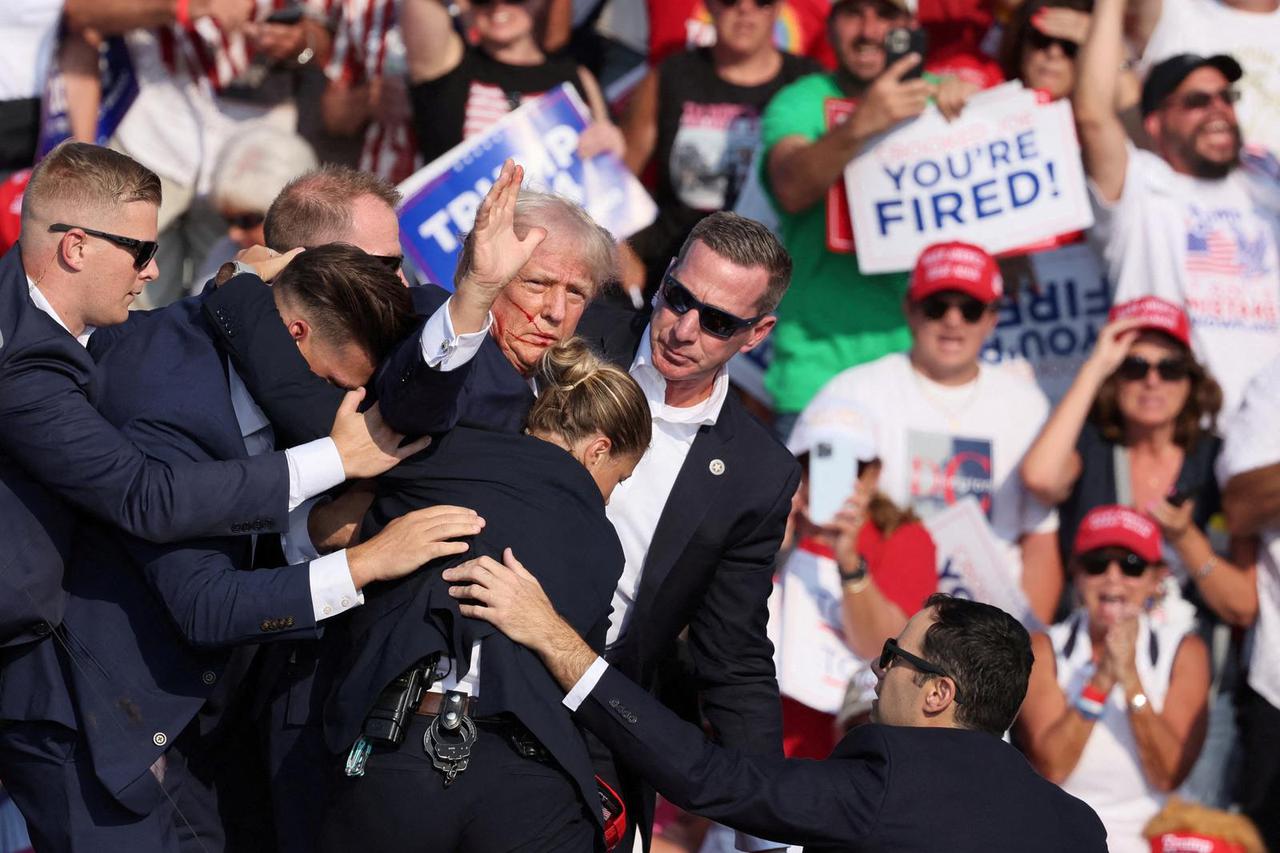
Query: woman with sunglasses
point(459, 90)
point(1117, 706)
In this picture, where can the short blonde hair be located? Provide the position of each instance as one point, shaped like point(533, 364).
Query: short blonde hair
point(82, 177)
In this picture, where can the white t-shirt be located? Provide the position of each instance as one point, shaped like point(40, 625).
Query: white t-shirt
point(1253, 441)
point(940, 444)
point(29, 32)
point(1209, 27)
point(1209, 245)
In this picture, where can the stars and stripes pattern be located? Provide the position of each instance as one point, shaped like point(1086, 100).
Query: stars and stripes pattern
point(1213, 253)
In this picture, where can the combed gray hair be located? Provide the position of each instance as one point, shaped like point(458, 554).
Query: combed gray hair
point(255, 166)
point(593, 244)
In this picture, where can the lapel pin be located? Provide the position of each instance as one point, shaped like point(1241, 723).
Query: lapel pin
point(717, 467)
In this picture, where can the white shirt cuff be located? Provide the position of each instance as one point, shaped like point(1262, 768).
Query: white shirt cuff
point(585, 684)
point(742, 841)
point(296, 542)
point(444, 350)
point(332, 591)
point(314, 467)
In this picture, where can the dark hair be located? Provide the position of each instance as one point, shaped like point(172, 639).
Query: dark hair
point(1018, 27)
point(580, 394)
point(1200, 411)
point(349, 296)
point(747, 244)
point(80, 177)
point(315, 208)
point(988, 654)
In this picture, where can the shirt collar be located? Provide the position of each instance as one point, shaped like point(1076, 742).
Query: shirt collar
point(39, 300)
point(654, 386)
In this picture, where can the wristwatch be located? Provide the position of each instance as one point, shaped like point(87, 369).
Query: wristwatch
point(230, 270)
point(1138, 702)
point(855, 581)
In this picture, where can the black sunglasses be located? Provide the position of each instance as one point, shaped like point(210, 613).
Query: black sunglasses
point(935, 307)
point(1042, 41)
point(1200, 100)
point(1135, 368)
point(1097, 562)
point(143, 250)
point(391, 262)
point(714, 321)
point(245, 221)
point(892, 650)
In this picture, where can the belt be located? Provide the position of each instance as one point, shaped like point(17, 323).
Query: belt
point(432, 702)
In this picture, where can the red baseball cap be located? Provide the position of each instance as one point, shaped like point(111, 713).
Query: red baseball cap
point(1115, 526)
point(957, 266)
point(1192, 842)
point(1156, 314)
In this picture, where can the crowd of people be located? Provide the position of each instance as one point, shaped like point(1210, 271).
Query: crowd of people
point(314, 554)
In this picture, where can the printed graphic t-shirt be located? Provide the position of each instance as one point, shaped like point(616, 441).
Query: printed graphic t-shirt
point(833, 316)
point(1210, 245)
point(939, 445)
point(473, 97)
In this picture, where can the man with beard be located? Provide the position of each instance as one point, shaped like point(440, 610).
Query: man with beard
point(1196, 221)
point(835, 316)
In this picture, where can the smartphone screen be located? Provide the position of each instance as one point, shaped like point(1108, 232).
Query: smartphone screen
point(833, 472)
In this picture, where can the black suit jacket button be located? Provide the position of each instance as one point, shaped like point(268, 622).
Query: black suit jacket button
point(266, 625)
point(631, 718)
point(613, 703)
point(288, 622)
point(41, 629)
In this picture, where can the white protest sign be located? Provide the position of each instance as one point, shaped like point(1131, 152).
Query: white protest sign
point(1003, 175)
point(813, 661)
point(1052, 329)
point(970, 564)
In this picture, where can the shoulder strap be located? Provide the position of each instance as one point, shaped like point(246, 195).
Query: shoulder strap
point(1124, 482)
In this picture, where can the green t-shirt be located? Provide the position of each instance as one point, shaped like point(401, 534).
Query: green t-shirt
point(833, 316)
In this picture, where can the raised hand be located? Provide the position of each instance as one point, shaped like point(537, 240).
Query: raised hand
point(1062, 23)
point(368, 446)
point(495, 252)
point(410, 541)
point(890, 99)
point(1113, 345)
point(848, 524)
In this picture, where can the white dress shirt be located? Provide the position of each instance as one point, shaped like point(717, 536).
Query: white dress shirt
point(637, 504)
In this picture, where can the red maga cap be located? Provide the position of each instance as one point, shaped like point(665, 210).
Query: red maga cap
point(962, 267)
point(1190, 842)
point(1157, 314)
point(1114, 526)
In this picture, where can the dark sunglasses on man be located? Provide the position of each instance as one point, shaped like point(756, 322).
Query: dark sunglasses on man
point(714, 321)
point(892, 650)
point(1200, 100)
point(245, 221)
point(1098, 561)
point(143, 251)
point(936, 305)
point(1135, 368)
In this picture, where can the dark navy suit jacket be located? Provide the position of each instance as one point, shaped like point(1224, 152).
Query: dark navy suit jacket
point(148, 627)
point(539, 501)
point(58, 455)
point(885, 789)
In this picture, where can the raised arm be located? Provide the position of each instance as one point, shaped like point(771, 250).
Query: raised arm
point(800, 170)
point(432, 46)
point(114, 17)
point(1103, 142)
point(1051, 731)
point(1052, 465)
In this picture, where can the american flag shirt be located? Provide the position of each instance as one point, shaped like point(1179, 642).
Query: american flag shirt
point(1209, 245)
point(368, 45)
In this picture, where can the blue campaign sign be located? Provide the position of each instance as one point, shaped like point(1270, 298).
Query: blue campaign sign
point(119, 90)
point(441, 199)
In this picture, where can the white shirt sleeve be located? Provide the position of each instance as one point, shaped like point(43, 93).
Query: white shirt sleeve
point(585, 685)
point(314, 467)
point(1250, 438)
point(444, 350)
point(332, 591)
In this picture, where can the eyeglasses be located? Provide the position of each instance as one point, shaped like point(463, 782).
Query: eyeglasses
point(1037, 40)
point(892, 650)
point(1136, 368)
point(935, 307)
point(245, 221)
point(714, 321)
point(391, 262)
point(143, 250)
point(1200, 100)
point(1097, 562)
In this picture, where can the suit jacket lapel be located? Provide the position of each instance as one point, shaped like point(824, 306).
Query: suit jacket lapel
point(695, 489)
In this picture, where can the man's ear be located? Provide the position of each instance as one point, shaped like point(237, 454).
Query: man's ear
point(299, 329)
point(759, 332)
point(71, 250)
point(939, 695)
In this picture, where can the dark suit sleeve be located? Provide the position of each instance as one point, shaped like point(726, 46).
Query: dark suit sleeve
point(728, 637)
point(48, 426)
point(797, 801)
point(416, 399)
point(300, 405)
